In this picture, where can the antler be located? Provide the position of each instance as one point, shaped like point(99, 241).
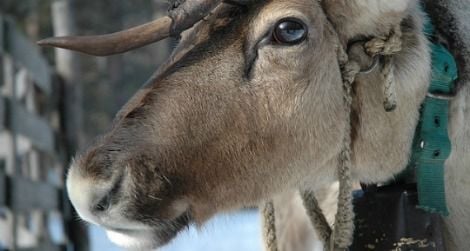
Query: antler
point(189, 13)
point(110, 44)
point(179, 19)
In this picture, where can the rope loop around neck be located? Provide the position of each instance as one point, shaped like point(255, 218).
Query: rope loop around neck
point(340, 237)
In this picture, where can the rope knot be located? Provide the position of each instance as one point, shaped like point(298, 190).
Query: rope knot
point(386, 47)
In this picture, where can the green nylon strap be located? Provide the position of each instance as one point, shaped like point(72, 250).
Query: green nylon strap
point(431, 144)
point(431, 150)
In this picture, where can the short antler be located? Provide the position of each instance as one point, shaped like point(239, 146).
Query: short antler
point(115, 43)
point(179, 19)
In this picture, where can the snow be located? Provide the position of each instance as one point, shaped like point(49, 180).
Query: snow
point(233, 232)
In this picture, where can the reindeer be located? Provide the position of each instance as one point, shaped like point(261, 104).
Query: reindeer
point(250, 107)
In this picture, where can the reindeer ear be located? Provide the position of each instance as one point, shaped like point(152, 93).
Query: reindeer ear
point(354, 18)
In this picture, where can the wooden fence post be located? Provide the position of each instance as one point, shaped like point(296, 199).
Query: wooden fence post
point(68, 67)
point(31, 184)
point(11, 141)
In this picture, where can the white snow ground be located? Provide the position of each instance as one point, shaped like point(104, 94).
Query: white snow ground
point(234, 232)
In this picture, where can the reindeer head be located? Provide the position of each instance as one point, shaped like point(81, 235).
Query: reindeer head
point(253, 107)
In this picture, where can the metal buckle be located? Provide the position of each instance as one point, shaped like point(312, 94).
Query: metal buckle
point(375, 63)
point(375, 59)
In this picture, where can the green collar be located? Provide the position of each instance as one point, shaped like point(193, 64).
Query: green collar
point(431, 143)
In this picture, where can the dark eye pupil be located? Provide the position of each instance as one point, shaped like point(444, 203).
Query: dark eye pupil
point(289, 32)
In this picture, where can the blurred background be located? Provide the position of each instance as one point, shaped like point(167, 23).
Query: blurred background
point(54, 102)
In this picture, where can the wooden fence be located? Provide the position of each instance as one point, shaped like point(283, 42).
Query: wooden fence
point(34, 211)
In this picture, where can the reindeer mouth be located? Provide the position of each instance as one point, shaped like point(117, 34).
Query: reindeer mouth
point(148, 238)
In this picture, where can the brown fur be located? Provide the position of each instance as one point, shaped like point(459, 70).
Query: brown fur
point(205, 137)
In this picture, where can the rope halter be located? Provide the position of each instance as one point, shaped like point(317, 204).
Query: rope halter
point(341, 236)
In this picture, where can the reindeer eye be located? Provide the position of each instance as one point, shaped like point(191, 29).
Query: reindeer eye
point(289, 32)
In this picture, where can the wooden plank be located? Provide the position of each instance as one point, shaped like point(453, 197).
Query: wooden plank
point(31, 126)
point(2, 113)
point(10, 143)
point(26, 195)
point(69, 70)
point(2, 74)
point(45, 246)
point(3, 184)
point(26, 54)
point(9, 89)
point(2, 35)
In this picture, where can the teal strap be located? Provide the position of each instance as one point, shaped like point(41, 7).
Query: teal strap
point(431, 145)
point(444, 70)
point(433, 150)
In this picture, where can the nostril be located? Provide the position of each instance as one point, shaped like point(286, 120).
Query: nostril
point(105, 201)
point(103, 204)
